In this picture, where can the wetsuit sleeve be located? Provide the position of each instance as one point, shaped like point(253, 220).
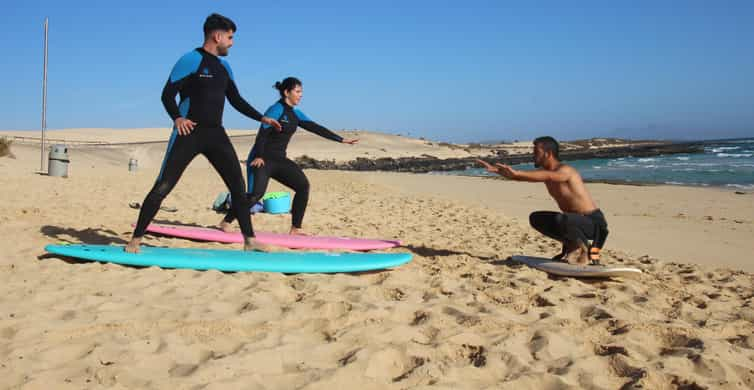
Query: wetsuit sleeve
point(314, 127)
point(240, 104)
point(274, 112)
point(235, 99)
point(168, 99)
point(185, 67)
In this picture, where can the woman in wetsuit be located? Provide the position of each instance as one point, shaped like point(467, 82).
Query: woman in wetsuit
point(268, 160)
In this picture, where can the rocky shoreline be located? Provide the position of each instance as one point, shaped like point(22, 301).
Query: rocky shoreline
point(429, 163)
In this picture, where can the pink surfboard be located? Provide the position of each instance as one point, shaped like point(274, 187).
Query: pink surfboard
point(283, 240)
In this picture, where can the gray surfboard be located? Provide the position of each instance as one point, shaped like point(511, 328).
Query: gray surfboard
point(578, 271)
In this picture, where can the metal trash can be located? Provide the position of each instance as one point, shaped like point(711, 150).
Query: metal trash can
point(58, 162)
point(133, 165)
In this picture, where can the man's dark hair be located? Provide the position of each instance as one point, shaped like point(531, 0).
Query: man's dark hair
point(216, 22)
point(549, 144)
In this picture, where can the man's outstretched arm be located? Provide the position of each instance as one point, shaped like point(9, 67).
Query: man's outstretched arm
point(562, 174)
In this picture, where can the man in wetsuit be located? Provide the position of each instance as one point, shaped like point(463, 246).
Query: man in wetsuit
point(581, 226)
point(203, 80)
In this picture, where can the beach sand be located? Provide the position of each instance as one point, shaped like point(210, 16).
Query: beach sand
point(460, 315)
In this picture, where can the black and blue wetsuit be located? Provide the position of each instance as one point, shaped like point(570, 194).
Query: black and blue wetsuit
point(203, 81)
point(271, 145)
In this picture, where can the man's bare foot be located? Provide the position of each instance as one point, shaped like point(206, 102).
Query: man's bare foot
point(225, 226)
point(578, 256)
point(251, 244)
point(297, 232)
point(133, 245)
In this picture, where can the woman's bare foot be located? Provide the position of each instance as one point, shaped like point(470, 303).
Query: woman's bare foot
point(225, 226)
point(133, 245)
point(297, 232)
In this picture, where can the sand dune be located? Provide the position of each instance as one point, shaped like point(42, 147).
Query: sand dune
point(371, 145)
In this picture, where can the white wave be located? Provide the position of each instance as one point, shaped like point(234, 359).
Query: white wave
point(742, 186)
point(724, 148)
point(647, 159)
point(682, 158)
point(735, 155)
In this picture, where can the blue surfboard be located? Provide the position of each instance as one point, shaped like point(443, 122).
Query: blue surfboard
point(234, 260)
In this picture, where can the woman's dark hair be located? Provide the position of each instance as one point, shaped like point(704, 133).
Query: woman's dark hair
point(549, 144)
point(216, 22)
point(286, 85)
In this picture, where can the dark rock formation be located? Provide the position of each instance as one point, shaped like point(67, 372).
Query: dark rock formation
point(432, 164)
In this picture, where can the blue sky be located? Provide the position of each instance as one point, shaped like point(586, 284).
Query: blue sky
point(444, 70)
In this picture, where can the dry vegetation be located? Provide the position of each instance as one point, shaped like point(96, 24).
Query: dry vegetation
point(5, 147)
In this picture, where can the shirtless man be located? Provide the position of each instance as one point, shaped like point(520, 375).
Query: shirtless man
point(581, 226)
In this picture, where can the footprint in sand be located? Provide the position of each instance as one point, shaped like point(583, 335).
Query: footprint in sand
point(395, 294)
point(594, 313)
point(348, 358)
point(742, 341)
point(461, 317)
point(618, 327)
point(540, 301)
point(246, 307)
point(477, 354)
point(420, 317)
point(560, 366)
point(620, 366)
point(675, 344)
point(537, 343)
point(183, 370)
point(609, 350)
point(415, 363)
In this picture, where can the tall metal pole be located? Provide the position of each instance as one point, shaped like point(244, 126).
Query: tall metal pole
point(44, 103)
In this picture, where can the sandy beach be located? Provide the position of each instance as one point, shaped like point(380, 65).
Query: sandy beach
point(460, 315)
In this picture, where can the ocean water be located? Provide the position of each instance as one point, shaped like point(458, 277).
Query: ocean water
point(728, 163)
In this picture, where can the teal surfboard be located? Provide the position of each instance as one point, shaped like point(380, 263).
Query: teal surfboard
point(234, 260)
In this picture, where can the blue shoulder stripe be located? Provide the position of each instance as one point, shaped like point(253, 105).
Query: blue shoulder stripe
point(274, 112)
point(185, 66)
point(301, 116)
point(227, 67)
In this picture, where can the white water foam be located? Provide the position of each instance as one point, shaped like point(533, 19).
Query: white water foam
point(724, 148)
point(734, 155)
